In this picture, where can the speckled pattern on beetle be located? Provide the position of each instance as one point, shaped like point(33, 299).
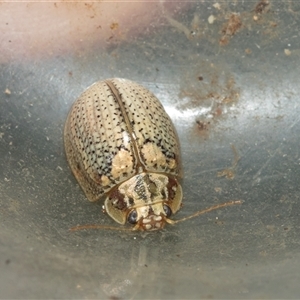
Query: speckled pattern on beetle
point(121, 143)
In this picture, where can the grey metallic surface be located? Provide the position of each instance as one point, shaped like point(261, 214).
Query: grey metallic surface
point(236, 110)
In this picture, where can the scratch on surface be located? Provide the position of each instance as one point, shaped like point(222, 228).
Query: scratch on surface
point(295, 123)
point(229, 173)
point(258, 173)
point(180, 27)
point(205, 171)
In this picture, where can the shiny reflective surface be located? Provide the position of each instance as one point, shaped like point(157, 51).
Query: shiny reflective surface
point(236, 110)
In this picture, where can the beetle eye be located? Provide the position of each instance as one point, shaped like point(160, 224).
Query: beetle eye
point(132, 217)
point(167, 211)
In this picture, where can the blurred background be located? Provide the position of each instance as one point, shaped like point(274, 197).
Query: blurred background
point(227, 73)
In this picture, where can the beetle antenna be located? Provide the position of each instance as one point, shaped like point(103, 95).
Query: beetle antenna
point(204, 211)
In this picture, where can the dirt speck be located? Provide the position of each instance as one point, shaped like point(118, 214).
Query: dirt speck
point(230, 28)
point(114, 26)
point(261, 6)
point(248, 51)
point(7, 91)
point(202, 125)
point(287, 52)
point(218, 190)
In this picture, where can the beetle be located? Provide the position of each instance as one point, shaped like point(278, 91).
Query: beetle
point(121, 143)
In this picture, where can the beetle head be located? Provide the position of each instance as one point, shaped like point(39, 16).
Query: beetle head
point(146, 201)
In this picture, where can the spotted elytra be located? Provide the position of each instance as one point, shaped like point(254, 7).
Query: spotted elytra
point(121, 144)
